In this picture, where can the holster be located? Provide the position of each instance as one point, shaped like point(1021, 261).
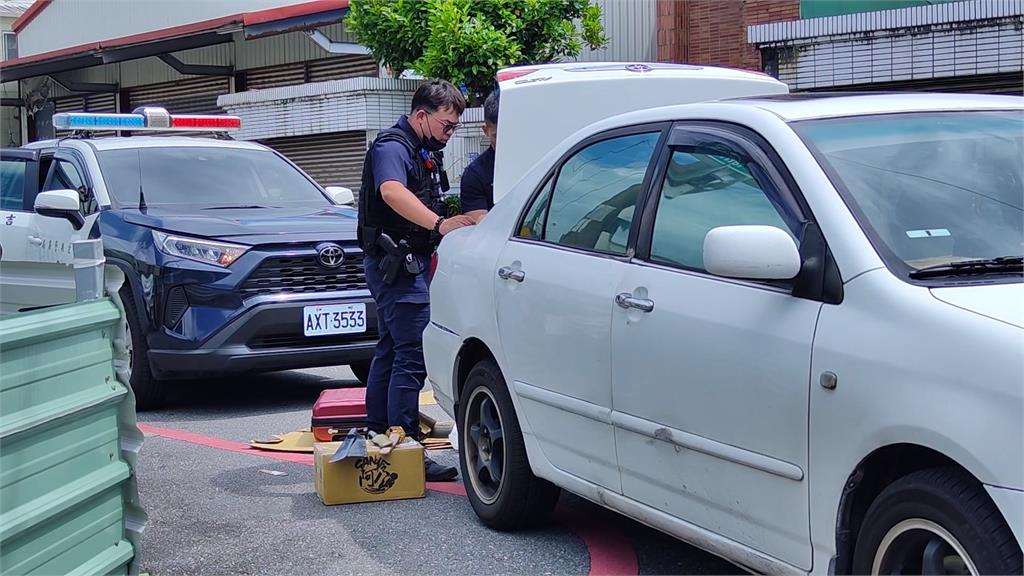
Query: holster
point(392, 261)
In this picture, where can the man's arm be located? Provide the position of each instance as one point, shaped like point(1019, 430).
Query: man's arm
point(408, 206)
point(390, 164)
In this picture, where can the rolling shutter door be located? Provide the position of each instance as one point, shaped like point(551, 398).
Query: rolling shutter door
point(332, 159)
point(102, 102)
point(335, 68)
point(105, 102)
point(193, 96)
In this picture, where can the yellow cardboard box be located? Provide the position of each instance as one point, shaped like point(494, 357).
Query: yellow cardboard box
point(373, 478)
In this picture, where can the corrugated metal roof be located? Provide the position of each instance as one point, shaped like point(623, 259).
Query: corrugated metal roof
point(14, 8)
point(66, 417)
point(632, 29)
point(885, 20)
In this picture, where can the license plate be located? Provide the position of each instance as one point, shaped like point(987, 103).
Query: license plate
point(334, 319)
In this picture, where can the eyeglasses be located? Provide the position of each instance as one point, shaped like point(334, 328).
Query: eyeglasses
point(448, 127)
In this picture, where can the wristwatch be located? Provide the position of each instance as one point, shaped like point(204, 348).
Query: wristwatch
point(437, 225)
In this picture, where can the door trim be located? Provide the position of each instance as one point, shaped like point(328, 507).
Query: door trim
point(707, 446)
point(563, 402)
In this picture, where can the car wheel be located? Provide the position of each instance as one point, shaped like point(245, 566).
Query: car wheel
point(149, 392)
point(936, 521)
point(501, 487)
point(361, 370)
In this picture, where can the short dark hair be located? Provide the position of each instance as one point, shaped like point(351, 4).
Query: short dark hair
point(437, 94)
point(491, 108)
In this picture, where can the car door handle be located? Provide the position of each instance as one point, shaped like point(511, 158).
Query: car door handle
point(506, 273)
point(36, 240)
point(626, 300)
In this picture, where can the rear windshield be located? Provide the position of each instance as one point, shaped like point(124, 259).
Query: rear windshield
point(205, 177)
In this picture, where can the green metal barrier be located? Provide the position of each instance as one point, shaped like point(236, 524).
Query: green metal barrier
point(68, 443)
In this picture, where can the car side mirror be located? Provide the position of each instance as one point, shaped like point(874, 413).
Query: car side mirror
point(341, 195)
point(60, 204)
point(751, 253)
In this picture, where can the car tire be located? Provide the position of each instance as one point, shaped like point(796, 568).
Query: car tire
point(150, 393)
point(491, 445)
point(940, 518)
point(361, 370)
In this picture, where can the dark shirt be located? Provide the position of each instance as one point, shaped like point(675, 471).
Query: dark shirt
point(391, 159)
point(477, 189)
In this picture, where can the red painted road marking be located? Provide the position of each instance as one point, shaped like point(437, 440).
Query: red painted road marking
point(611, 553)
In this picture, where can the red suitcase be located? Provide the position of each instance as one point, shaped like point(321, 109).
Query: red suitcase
point(338, 411)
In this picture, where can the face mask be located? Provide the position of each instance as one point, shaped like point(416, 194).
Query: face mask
point(429, 142)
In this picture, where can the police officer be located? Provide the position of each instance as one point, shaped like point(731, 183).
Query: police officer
point(401, 220)
point(476, 196)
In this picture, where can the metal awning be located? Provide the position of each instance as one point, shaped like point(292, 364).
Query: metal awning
point(196, 35)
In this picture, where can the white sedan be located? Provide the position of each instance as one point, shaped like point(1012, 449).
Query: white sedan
point(786, 329)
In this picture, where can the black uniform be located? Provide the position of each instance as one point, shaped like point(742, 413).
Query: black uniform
point(477, 189)
point(397, 373)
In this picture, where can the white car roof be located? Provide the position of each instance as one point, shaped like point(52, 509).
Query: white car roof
point(132, 142)
point(573, 71)
point(794, 107)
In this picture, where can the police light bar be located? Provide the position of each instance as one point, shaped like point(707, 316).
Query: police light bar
point(146, 119)
point(85, 121)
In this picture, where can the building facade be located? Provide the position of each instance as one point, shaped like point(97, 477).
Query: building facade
point(303, 86)
point(932, 45)
point(10, 108)
point(290, 69)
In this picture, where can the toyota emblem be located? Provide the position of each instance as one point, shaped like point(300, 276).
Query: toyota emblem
point(330, 255)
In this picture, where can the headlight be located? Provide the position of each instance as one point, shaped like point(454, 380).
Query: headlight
point(218, 253)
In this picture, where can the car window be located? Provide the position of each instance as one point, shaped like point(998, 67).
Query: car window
point(64, 175)
point(206, 177)
point(592, 201)
point(12, 180)
point(701, 191)
point(532, 226)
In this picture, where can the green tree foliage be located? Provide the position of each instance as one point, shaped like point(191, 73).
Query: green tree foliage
point(467, 41)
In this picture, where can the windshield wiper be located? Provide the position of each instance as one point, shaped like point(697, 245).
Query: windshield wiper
point(1001, 265)
point(239, 207)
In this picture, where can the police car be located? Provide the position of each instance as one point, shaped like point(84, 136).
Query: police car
point(235, 260)
point(784, 328)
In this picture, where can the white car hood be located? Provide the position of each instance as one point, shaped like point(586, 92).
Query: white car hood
point(1003, 302)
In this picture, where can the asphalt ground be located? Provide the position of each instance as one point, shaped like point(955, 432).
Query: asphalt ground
point(215, 510)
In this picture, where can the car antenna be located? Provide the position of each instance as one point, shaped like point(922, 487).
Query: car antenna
point(142, 200)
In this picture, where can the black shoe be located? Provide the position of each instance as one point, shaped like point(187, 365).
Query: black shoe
point(438, 472)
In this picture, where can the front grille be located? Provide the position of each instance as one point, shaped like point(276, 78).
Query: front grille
point(303, 274)
point(300, 341)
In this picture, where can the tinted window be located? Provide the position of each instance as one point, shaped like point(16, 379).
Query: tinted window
point(206, 177)
point(703, 191)
point(592, 202)
point(533, 223)
point(64, 175)
point(12, 179)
